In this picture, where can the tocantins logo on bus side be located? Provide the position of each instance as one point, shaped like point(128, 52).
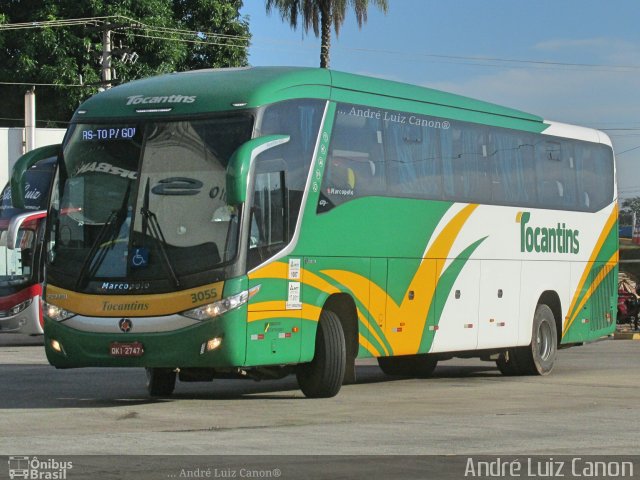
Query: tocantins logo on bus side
point(549, 239)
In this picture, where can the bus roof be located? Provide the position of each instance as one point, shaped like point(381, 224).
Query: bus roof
point(215, 90)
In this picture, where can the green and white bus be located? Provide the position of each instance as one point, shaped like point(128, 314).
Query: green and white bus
point(262, 222)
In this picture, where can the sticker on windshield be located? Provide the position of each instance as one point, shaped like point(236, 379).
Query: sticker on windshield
point(139, 257)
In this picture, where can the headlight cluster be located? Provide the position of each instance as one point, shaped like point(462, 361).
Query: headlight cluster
point(204, 312)
point(15, 310)
point(215, 309)
point(56, 313)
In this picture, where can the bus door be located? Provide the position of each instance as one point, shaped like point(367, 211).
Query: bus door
point(272, 336)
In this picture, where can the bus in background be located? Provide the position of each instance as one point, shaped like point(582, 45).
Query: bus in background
point(22, 218)
point(270, 221)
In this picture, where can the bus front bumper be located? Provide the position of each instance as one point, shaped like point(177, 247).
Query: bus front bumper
point(216, 343)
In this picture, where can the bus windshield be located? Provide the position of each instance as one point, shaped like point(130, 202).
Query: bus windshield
point(17, 265)
point(141, 207)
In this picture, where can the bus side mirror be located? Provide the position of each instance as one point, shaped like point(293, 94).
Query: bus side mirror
point(24, 163)
point(240, 165)
point(17, 222)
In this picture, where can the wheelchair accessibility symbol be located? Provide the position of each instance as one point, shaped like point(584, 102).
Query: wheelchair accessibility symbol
point(139, 258)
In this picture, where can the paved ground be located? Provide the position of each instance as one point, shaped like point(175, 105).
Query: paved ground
point(588, 405)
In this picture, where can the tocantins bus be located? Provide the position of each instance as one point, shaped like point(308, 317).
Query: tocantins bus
point(266, 221)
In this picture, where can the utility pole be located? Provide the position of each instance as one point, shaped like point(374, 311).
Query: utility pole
point(126, 55)
point(106, 56)
point(30, 120)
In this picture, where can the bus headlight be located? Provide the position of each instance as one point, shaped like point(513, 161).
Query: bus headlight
point(56, 313)
point(215, 309)
point(15, 310)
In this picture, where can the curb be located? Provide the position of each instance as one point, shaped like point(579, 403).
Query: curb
point(626, 336)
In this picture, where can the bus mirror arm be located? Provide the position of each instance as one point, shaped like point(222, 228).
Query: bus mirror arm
point(23, 164)
point(17, 222)
point(240, 165)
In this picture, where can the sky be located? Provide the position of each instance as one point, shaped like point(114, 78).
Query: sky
point(571, 61)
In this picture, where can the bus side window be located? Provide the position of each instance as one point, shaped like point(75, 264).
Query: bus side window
point(510, 169)
point(355, 165)
point(300, 119)
point(595, 176)
point(412, 160)
point(568, 174)
point(548, 169)
point(466, 169)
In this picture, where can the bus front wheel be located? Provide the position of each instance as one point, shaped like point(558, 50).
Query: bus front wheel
point(160, 381)
point(322, 377)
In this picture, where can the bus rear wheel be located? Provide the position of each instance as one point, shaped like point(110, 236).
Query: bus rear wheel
point(160, 381)
point(322, 377)
point(539, 357)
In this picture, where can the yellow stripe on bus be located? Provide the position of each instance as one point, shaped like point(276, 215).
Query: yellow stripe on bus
point(608, 266)
point(277, 309)
point(151, 305)
point(425, 280)
point(360, 287)
point(572, 312)
point(364, 343)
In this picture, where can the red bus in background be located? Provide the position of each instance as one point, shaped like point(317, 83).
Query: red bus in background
point(22, 219)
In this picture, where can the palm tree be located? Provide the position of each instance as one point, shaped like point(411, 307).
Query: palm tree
point(320, 15)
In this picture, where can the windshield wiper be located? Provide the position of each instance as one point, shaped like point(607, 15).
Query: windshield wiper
point(150, 222)
point(107, 234)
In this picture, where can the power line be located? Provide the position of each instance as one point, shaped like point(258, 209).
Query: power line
point(134, 24)
point(29, 84)
point(628, 150)
point(461, 59)
point(52, 23)
point(183, 40)
point(37, 120)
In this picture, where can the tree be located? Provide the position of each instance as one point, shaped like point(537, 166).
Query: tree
point(166, 36)
point(321, 15)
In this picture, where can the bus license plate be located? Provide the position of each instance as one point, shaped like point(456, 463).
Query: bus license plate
point(117, 349)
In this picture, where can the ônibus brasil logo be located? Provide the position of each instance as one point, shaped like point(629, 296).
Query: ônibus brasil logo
point(32, 468)
point(547, 239)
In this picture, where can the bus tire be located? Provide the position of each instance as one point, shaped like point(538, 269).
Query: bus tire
point(539, 357)
point(160, 381)
point(322, 377)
